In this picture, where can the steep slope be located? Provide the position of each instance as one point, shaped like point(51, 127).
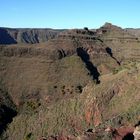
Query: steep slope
point(50, 62)
point(123, 45)
point(108, 104)
point(135, 32)
point(13, 36)
point(87, 45)
point(80, 82)
point(109, 31)
point(7, 109)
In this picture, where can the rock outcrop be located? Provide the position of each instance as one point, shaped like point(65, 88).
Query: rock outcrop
point(113, 32)
point(137, 132)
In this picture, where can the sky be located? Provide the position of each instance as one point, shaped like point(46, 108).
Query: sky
point(62, 14)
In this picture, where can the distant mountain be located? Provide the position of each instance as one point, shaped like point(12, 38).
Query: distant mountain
point(13, 36)
point(38, 35)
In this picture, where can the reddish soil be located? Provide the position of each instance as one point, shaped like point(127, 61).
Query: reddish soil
point(124, 133)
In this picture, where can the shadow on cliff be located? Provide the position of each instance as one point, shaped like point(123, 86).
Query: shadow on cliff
point(5, 37)
point(128, 136)
point(6, 116)
point(91, 68)
point(109, 51)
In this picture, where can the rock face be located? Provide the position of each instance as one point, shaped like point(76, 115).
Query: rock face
point(137, 132)
point(113, 32)
point(70, 40)
point(120, 41)
point(13, 36)
point(135, 32)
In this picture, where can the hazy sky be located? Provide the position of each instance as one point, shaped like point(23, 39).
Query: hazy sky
point(69, 13)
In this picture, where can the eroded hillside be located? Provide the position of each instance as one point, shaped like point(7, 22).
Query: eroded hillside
point(31, 36)
point(76, 84)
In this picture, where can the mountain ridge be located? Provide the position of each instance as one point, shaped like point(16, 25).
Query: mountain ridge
point(39, 35)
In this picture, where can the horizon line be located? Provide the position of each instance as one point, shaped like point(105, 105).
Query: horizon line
point(61, 28)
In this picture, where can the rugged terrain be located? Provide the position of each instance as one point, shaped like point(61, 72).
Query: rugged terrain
point(69, 84)
point(14, 36)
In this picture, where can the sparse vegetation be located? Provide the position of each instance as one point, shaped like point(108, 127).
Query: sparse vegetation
point(86, 28)
point(52, 86)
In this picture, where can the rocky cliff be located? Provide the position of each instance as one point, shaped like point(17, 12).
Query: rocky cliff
point(13, 36)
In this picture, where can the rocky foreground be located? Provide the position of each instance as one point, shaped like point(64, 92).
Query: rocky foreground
point(122, 133)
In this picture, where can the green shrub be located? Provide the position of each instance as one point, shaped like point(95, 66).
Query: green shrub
point(28, 136)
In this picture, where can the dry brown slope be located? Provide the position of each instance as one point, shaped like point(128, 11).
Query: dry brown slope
point(58, 95)
point(115, 102)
